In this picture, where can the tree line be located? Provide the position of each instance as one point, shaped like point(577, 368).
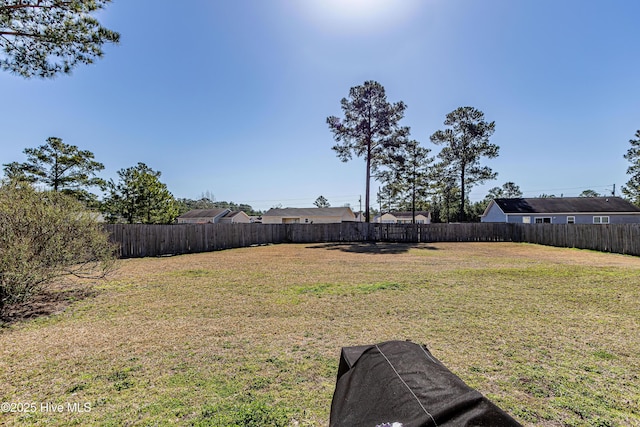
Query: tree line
point(412, 179)
point(137, 196)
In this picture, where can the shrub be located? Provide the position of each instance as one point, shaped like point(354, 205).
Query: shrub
point(43, 236)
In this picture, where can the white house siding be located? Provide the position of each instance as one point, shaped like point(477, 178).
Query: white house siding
point(238, 217)
point(272, 219)
point(242, 219)
point(322, 219)
point(302, 219)
point(308, 216)
point(386, 219)
point(420, 219)
point(404, 218)
point(495, 214)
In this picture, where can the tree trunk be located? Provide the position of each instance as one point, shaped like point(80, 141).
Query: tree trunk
point(462, 195)
point(366, 212)
point(413, 201)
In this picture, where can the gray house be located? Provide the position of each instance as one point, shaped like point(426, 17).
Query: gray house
point(562, 210)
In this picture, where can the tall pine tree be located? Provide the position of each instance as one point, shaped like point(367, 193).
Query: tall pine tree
point(61, 167)
point(632, 189)
point(370, 128)
point(47, 37)
point(465, 142)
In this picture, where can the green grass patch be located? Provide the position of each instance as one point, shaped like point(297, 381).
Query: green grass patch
point(253, 336)
point(603, 354)
point(250, 414)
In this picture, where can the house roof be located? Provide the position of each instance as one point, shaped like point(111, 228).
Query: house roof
point(296, 212)
point(408, 214)
point(203, 213)
point(550, 205)
point(234, 213)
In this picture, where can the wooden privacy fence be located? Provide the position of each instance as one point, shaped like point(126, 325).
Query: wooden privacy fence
point(143, 240)
point(616, 238)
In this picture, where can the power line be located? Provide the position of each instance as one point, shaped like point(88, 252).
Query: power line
point(583, 188)
point(609, 187)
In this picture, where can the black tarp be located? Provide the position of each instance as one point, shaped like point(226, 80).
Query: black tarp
point(401, 382)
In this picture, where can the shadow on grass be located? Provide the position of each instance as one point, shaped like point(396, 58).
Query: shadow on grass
point(46, 303)
point(375, 248)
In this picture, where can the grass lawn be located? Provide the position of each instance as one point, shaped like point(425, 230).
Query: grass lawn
point(252, 336)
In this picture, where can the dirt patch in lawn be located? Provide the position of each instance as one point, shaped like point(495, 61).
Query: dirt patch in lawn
point(53, 299)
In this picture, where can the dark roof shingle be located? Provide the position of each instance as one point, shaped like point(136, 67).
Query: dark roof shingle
point(203, 213)
point(549, 205)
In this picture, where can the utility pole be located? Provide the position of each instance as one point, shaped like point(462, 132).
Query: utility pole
point(613, 193)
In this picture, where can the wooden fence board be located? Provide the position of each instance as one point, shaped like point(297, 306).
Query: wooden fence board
point(143, 240)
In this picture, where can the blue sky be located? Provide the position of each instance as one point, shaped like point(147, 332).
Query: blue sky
point(231, 97)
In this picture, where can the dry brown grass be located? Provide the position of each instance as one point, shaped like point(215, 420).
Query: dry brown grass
point(550, 335)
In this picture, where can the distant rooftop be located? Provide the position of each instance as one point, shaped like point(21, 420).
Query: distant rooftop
point(566, 205)
point(309, 212)
point(203, 213)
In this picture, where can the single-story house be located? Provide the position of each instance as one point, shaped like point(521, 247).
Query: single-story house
point(202, 216)
point(213, 216)
point(422, 217)
point(235, 217)
point(308, 216)
point(562, 210)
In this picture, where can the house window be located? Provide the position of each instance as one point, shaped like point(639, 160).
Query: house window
point(543, 220)
point(526, 220)
point(571, 220)
point(601, 220)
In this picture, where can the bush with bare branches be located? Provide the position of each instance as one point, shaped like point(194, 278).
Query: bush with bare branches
point(46, 235)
